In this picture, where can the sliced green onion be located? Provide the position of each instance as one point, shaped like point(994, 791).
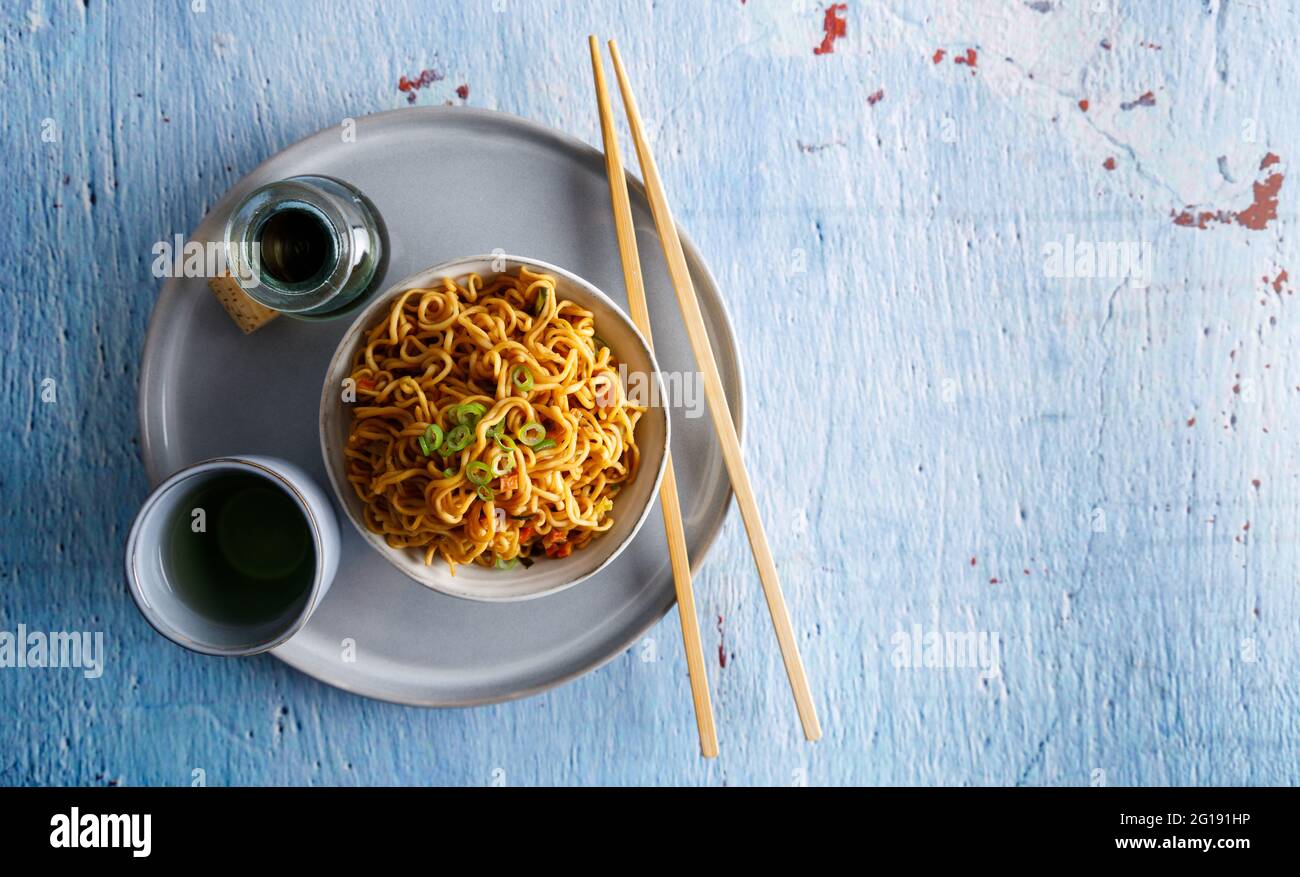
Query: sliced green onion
point(522, 378)
point(458, 439)
point(425, 447)
point(531, 433)
point(544, 444)
point(468, 414)
point(449, 471)
point(495, 429)
point(433, 435)
point(478, 473)
point(504, 441)
point(507, 564)
point(486, 493)
point(540, 305)
point(502, 463)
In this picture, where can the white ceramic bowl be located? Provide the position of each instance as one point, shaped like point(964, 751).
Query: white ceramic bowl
point(547, 575)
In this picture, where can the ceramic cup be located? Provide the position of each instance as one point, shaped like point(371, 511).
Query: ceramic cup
point(165, 581)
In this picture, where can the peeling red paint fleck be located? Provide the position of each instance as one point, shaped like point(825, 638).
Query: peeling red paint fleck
point(1083, 105)
point(722, 645)
point(995, 581)
point(875, 97)
point(1202, 219)
point(1255, 483)
point(1256, 217)
point(1109, 164)
point(462, 91)
point(1264, 208)
point(1191, 421)
point(834, 27)
point(970, 59)
point(938, 55)
point(1146, 99)
point(1279, 281)
point(411, 86)
point(972, 561)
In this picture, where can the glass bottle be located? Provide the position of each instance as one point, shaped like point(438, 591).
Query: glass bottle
point(306, 246)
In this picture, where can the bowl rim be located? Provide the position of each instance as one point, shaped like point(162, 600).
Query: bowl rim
point(456, 268)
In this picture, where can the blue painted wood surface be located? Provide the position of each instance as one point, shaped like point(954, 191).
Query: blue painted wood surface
point(1100, 473)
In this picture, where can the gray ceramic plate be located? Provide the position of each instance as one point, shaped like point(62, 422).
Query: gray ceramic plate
point(447, 181)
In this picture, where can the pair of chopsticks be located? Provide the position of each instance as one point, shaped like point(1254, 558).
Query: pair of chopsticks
point(717, 400)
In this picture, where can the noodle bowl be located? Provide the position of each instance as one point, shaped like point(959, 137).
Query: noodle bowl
point(490, 425)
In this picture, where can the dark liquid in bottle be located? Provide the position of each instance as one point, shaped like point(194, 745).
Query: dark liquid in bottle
point(296, 247)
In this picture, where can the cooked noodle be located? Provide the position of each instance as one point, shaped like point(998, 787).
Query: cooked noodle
point(524, 382)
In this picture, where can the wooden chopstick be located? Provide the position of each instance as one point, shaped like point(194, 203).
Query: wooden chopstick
point(668, 489)
point(717, 399)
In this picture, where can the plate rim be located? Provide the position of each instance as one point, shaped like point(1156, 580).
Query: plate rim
point(149, 382)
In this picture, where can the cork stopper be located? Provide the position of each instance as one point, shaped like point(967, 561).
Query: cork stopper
point(247, 314)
